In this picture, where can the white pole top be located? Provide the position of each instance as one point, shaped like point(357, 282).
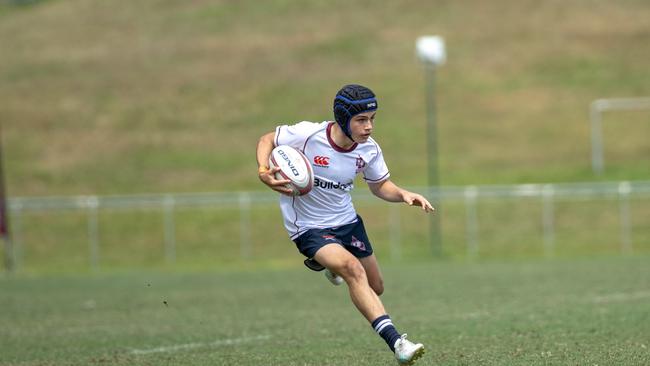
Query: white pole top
point(431, 49)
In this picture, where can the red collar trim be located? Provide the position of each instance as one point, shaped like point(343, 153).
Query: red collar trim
point(334, 145)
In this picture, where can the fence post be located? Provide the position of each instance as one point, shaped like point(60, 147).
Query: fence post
point(246, 248)
point(92, 203)
point(624, 216)
point(471, 222)
point(170, 229)
point(395, 233)
point(548, 219)
point(596, 136)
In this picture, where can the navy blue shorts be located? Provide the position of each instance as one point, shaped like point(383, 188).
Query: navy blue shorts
point(352, 237)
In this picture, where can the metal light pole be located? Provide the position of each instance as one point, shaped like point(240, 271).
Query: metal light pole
point(431, 52)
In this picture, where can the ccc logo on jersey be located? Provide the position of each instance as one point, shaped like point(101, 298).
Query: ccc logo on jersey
point(323, 161)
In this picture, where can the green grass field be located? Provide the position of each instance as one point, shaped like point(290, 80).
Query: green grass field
point(564, 312)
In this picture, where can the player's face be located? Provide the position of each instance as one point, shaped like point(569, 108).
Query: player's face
point(361, 126)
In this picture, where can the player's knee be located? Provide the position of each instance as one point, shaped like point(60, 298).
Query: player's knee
point(353, 270)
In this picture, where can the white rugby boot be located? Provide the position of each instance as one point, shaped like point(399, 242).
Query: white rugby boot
point(333, 277)
point(406, 352)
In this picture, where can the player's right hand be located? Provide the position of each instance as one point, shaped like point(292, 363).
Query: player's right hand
point(279, 185)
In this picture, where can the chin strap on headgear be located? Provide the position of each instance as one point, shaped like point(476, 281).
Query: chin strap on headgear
point(349, 101)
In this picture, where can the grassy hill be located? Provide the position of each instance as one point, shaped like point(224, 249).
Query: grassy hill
point(158, 95)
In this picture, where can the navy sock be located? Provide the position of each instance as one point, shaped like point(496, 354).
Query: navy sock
point(385, 328)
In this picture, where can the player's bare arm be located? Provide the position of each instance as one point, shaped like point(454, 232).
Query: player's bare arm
point(389, 191)
point(267, 175)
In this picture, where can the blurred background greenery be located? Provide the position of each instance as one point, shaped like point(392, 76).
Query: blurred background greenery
point(153, 96)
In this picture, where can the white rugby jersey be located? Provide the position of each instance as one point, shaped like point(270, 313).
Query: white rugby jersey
point(329, 203)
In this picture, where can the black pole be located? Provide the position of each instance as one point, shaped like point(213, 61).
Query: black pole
point(4, 218)
point(435, 238)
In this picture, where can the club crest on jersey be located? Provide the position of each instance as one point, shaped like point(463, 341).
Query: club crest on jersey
point(361, 164)
point(358, 243)
point(322, 161)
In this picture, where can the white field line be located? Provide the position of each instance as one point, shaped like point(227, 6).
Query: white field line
point(621, 297)
point(186, 346)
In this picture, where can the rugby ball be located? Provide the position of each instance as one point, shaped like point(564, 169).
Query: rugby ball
point(295, 167)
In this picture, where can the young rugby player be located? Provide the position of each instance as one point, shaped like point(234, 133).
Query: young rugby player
point(323, 223)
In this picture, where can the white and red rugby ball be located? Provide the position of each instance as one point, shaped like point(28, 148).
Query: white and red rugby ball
point(295, 167)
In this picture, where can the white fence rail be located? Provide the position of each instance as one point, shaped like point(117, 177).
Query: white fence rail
point(245, 202)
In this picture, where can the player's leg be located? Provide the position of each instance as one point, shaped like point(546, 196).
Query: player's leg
point(356, 241)
point(336, 258)
point(370, 265)
point(373, 273)
point(325, 247)
point(340, 261)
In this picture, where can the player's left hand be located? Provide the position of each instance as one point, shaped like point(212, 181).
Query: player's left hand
point(414, 199)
